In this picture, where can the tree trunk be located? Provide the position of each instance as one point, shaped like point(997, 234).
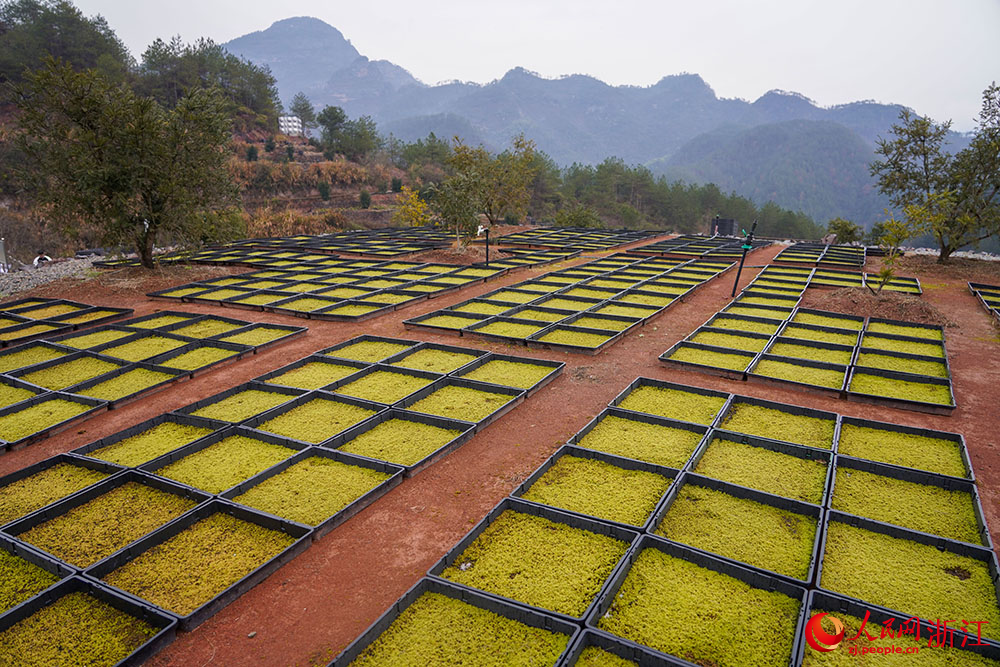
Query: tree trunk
point(146, 249)
point(944, 254)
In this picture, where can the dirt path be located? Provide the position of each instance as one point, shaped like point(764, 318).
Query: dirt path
point(314, 606)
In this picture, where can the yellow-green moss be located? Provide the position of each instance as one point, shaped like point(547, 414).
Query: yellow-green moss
point(87, 341)
point(183, 291)
point(509, 296)
point(779, 425)
point(242, 405)
point(417, 287)
point(667, 603)
point(312, 490)
point(194, 566)
point(592, 656)
point(313, 375)
point(77, 629)
point(384, 386)
point(691, 355)
point(841, 357)
point(149, 444)
point(578, 338)
point(225, 464)
point(262, 299)
point(38, 417)
point(744, 530)
point(560, 303)
point(587, 293)
point(102, 526)
point(400, 441)
point(796, 331)
point(436, 361)
point(724, 322)
point(144, 348)
point(89, 317)
point(646, 299)
point(912, 332)
point(157, 322)
point(916, 579)
point(906, 346)
point(599, 489)
point(674, 404)
point(600, 323)
point(509, 329)
point(623, 311)
point(903, 449)
point(220, 294)
point(652, 443)
point(782, 370)
point(462, 403)
point(316, 420)
point(9, 394)
point(369, 350)
point(764, 470)
point(306, 304)
point(207, 328)
point(730, 341)
point(509, 373)
point(20, 580)
point(45, 312)
point(351, 310)
point(942, 512)
point(448, 321)
point(26, 332)
point(47, 486)
point(440, 630)
point(901, 365)
point(902, 389)
point(256, 336)
point(128, 383)
point(482, 308)
point(27, 356)
point(199, 358)
point(69, 373)
point(763, 301)
point(538, 562)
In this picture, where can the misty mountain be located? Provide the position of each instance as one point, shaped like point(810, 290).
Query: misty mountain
point(781, 146)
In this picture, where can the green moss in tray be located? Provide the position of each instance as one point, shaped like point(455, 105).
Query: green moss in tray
point(845, 338)
point(312, 490)
point(623, 311)
point(538, 562)
point(764, 470)
point(9, 395)
point(942, 512)
point(513, 297)
point(509, 373)
point(256, 336)
point(918, 366)
point(448, 321)
point(600, 323)
point(510, 329)
point(779, 425)
point(730, 341)
point(76, 630)
point(482, 308)
point(263, 284)
point(540, 315)
point(734, 362)
point(20, 580)
point(199, 358)
point(437, 361)
point(577, 338)
point(220, 294)
point(913, 578)
point(128, 383)
point(909, 347)
point(149, 444)
point(261, 299)
point(587, 293)
point(384, 386)
point(903, 449)
point(313, 375)
point(646, 299)
point(724, 322)
point(417, 287)
point(87, 341)
point(763, 301)
point(49, 311)
point(943, 656)
point(560, 303)
point(593, 656)
point(901, 389)
point(653, 443)
point(440, 630)
point(69, 373)
point(306, 304)
point(316, 420)
point(89, 317)
point(352, 310)
point(783, 370)
point(143, 348)
point(744, 530)
point(599, 489)
point(370, 350)
point(192, 567)
point(674, 404)
point(912, 332)
point(667, 603)
point(38, 417)
point(462, 403)
point(26, 495)
point(455, 280)
point(388, 297)
point(27, 356)
point(26, 332)
point(184, 291)
point(242, 405)
point(102, 526)
point(400, 441)
point(225, 464)
point(767, 313)
point(841, 357)
point(161, 321)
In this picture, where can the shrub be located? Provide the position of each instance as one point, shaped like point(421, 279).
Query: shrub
point(365, 199)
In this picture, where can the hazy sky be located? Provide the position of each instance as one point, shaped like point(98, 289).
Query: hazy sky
point(932, 55)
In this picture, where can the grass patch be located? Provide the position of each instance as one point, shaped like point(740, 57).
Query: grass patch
point(194, 566)
point(400, 441)
point(77, 629)
point(28, 356)
point(942, 512)
point(744, 530)
point(673, 404)
point(906, 346)
point(924, 392)
point(840, 357)
point(98, 528)
point(509, 329)
point(599, 489)
point(199, 358)
point(867, 565)
point(448, 321)
point(242, 405)
point(9, 394)
point(316, 420)
point(369, 350)
point(87, 341)
point(312, 490)
point(750, 626)
point(38, 417)
point(798, 331)
point(69, 373)
point(515, 374)
point(652, 443)
point(144, 348)
point(783, 370)
point(764, 470)
point(462, 403)
point(435, 361)
point(575, 338)
point(903, 449)
point(691, 355)
point(538, 562)
point(313, 375)
point(20, 580)
point(384, 386)
point(912, 332)
point(779, 425)
point(900, 365)
point(225, 464)
point(440, 630)
point(149, 444)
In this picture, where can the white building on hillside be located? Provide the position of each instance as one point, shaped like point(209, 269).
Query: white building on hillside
point(290, 126)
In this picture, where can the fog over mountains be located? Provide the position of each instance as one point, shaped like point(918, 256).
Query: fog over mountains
point(780, 147)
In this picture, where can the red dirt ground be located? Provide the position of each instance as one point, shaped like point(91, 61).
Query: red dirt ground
point(315, 605)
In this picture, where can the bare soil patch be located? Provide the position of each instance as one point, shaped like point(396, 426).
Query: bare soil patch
point(887, 305)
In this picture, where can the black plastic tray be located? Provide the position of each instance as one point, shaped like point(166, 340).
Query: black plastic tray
point(418, 322)
point(176, 326)
point(957, 438)
point(535, 341)
point(728, 373)
point(280, 306)
point(72, 356)
point(189, 409)
point(901, 403)
point(819, 345)
point(474, 329)
point(634, 653)
point(239, 352)
point(829, 391)
point(627, 535)
point(330, 351)
point(906, 339)
point(396, 358)
point(55, 330)
point(165, 624)
point(914, 325)
point(113, 314)
point(311, 359)
point(24, 473)
point(187, 420)
point(787, 301)
point(524, 615)
point(783, 332)
point(20, 384)
point(292, 333)
point(797, 410)
point(160, 313)
point(301, 534)
point(650, 382)
point(516, 396)
point(106, 349)
point(177, 376)
point(328, 314)
point(256, 421)
point(917, 377)
point(26, 552)
point(556, 366)
point(759, 307)
point(94, 405)
point(638, 417)
point(380, 368)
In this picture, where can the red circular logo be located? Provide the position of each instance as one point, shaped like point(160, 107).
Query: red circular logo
point(820, 639)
